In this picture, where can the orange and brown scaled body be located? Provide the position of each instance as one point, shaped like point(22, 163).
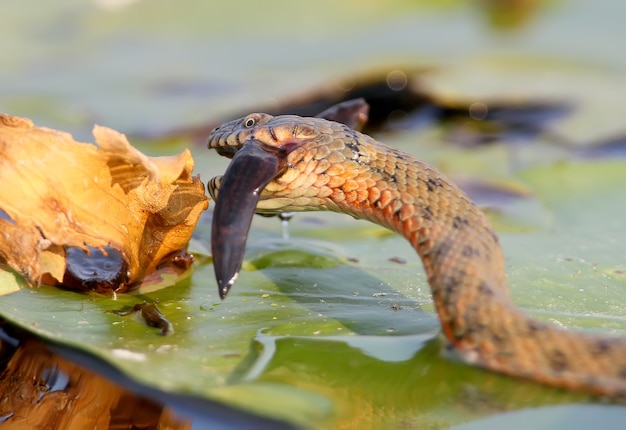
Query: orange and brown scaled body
point(324, 165)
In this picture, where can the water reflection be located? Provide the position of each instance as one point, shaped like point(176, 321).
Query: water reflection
point(44, 386)
point(396, 381)
point(47, 391)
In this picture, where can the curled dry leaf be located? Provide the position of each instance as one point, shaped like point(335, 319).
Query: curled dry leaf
point(58, 194)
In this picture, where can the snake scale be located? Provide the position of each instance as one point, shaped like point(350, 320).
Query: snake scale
point(291, 163)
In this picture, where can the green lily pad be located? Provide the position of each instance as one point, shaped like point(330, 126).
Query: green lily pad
point(329, 304)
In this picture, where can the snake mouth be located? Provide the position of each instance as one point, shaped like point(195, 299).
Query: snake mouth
point(251, 169)
point(218, 140)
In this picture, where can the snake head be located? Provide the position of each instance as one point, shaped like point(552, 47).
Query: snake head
point(259, 154)
point(228, 138)
point(264, 151)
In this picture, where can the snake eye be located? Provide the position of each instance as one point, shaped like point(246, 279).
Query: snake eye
point(250, 122)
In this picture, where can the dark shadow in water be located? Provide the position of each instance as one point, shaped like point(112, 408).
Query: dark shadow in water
point(48, 386)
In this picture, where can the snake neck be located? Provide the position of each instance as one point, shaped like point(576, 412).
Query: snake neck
point(464, 265)
point(459, 250)
point(348, 172)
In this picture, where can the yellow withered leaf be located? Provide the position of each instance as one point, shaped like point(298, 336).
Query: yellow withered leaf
point(58, 194)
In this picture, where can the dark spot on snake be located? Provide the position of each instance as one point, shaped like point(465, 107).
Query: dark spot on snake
point(432, 184)
point(449, 284)
point(458, 222)
point(450, 289)
point(440, 249)
point(493, 235)
point(423, 240)
point(470, 251)
point(558, 361)
point(484, 289)
point(460, 335)
point(353, 135)
point(385, 175)
point(622, 373)
point(427, 213)
point(476, 328)
point(602, 346)
point(534, 326)
point(353, 147)
point(497, 338)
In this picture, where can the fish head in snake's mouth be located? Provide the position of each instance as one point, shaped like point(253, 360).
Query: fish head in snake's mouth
point(270, 172)
point(260, 146)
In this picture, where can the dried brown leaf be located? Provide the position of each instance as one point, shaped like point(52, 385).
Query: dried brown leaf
point(59, 193)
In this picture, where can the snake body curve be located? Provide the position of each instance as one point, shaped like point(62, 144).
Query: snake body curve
point(328, 166)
